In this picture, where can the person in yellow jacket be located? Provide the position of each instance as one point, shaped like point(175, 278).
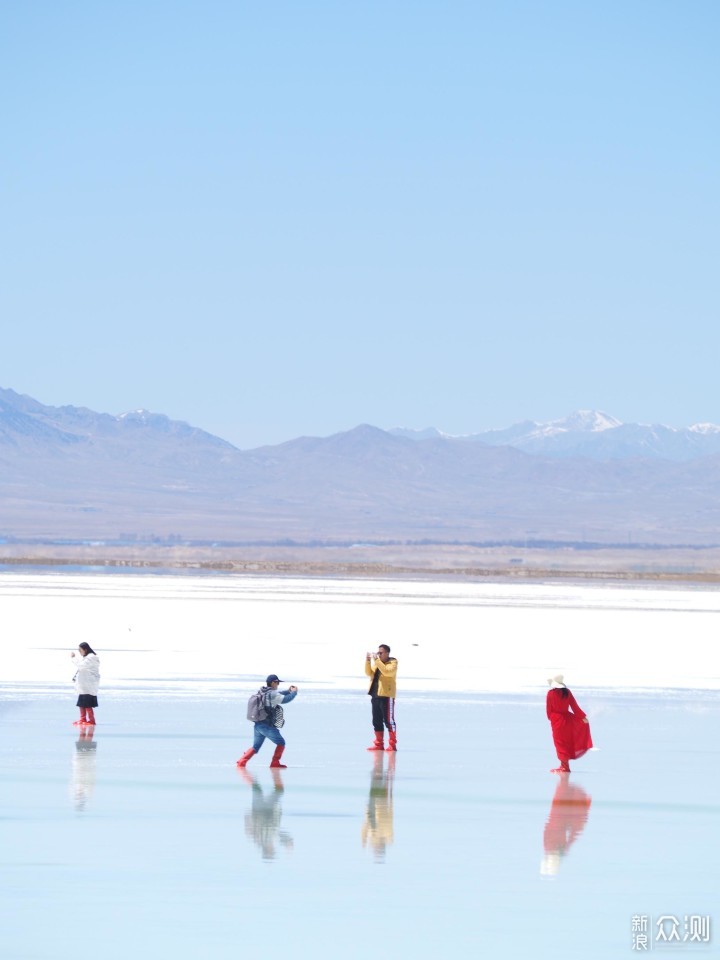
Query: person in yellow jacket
point(382, 670)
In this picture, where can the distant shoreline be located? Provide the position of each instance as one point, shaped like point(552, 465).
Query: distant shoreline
point(360, 569)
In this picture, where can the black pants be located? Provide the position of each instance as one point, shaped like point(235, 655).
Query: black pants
point(383, 713)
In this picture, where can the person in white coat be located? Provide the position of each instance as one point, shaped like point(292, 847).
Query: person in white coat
point(87, 679)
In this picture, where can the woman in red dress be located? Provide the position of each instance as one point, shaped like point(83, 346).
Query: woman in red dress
point(570, 726)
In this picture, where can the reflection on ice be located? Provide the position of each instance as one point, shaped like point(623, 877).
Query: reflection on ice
point(83, 768)
point(377, 831)
point(262, 822)
point(569, 812)
point(164, 826)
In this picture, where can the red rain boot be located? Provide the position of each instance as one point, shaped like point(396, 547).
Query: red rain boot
point(82, 720)
point(275, 762)
point(90, 716)
point(392, 745)
point(379, 741)
point(242, 762)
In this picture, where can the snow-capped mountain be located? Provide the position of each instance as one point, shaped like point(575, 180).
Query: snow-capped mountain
point(593, 434)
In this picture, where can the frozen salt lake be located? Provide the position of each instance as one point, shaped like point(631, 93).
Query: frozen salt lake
point(144, 839)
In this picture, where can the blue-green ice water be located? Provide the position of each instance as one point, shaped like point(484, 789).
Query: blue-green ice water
point(145, 840)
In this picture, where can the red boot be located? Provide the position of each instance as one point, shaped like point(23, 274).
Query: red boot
point(245, 757)
point(90, 716)
point(82, 720)
point(275, 762)
point(392, 745)
point(379, 741)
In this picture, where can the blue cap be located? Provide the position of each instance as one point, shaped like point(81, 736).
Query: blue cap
point(272, 678)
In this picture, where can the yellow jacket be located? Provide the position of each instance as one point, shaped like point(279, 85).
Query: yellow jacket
point(388, 672)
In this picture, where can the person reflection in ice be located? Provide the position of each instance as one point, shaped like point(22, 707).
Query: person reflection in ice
point(262, 822)
point(569, 812)
point(83, 768)
point(377, 831)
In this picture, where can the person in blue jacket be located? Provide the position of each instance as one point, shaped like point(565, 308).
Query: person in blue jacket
point(270, 727)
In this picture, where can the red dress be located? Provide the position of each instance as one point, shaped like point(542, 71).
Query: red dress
point(570, 733)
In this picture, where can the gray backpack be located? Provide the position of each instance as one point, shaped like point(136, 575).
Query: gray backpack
point(257, 710)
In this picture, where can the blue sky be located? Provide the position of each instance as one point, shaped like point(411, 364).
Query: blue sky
point(285, 218)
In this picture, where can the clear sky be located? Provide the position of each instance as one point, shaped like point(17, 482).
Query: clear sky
point(293, 216)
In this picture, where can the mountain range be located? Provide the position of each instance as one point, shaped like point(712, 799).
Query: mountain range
point(589, 433)
point(68, 472)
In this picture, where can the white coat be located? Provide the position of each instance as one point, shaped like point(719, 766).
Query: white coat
point(88, 674)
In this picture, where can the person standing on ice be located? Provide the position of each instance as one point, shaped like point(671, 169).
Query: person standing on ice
point(570, 726)
point(268, 727)
point(87, 678)
point(382, 670)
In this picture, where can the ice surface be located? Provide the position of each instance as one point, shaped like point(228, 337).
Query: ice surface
point(144, 839)
point(162, 631)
